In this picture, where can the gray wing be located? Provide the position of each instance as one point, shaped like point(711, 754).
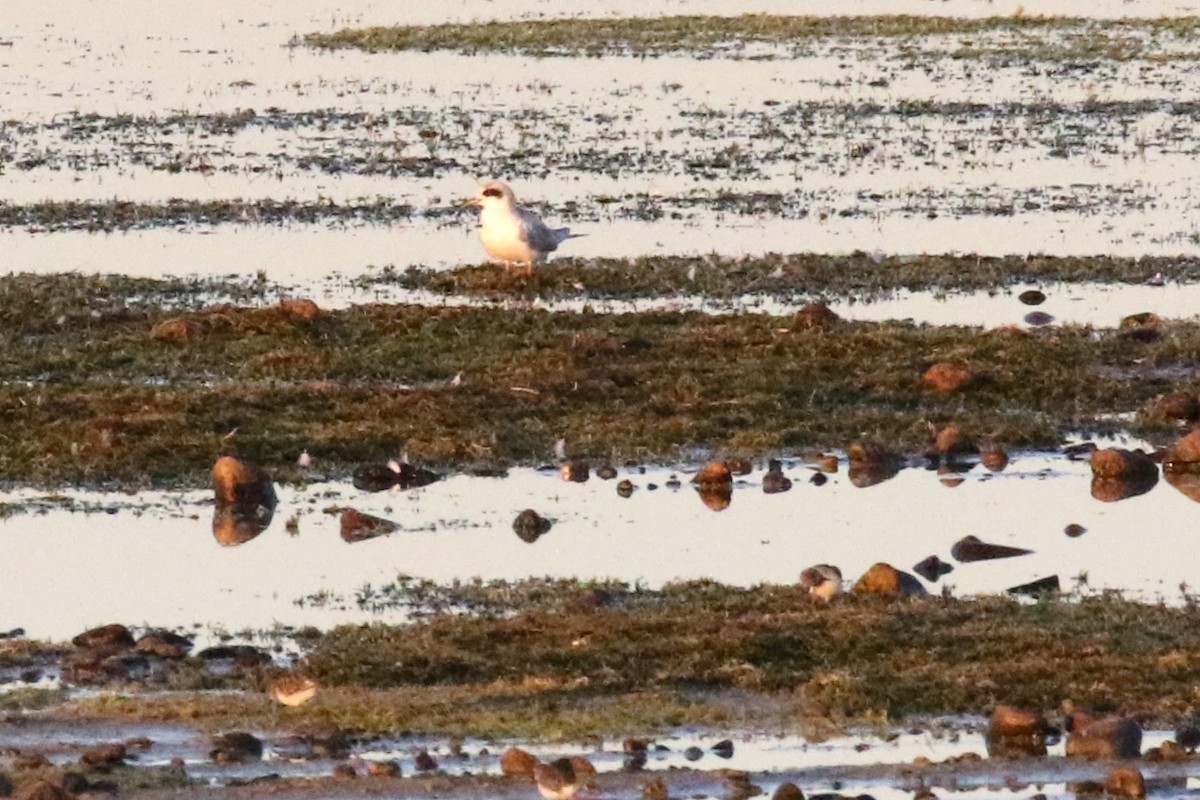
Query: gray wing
point(540, 237)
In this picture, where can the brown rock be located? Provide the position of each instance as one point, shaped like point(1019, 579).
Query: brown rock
point(344, 771)
point(44, 790)
point(814, 316)
point(1074, 530)
point(359, 527)
point(787, 791)
point(1108, 737)
point(530, 525)
point(946, 377)
point(971, 548)
point(1125, 782)
point(635, 745)
point(994, 458)
point(714, 473)
point(585, 771)
point(238, 483)
point(1017, 732)
point(625, 488)
point(1184, 455)
point(1114, 462)
point(869, 453)
point(300, 309)
point(383, 769)
point(951, 442)
point(655, 789)
point(1032, 297)
point(176, 329)
point(517, 762)
point(104, 755)
point(164, 644)
point(1177, 405)
point(827, 462)
point(575, 471)
point(883, 578)
point(111, 638)
point(606, 472)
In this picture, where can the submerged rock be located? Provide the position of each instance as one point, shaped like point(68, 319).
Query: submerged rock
point(1125, 782)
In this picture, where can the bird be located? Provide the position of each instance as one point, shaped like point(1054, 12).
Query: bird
point(290, 689)
point(511, 233)
point(556, 780)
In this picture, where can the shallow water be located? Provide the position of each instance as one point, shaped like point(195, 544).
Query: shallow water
point(869, 148)
point(153, 559)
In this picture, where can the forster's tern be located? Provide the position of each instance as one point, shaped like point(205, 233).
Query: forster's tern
point(510, 233)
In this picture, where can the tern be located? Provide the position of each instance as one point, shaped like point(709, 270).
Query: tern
point(511, 233)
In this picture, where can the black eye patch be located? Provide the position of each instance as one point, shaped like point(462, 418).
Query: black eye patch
point(492, 193)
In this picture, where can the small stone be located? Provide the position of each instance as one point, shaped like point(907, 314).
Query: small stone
point(883, 578)
point(384, 769)
point(625, 488)
point(300, 309)
point(1074, 530)
point(517, 762)
point(932, 568)
point(423, 762)
point(1032, 297)
point(946, 377)
point(575, 471)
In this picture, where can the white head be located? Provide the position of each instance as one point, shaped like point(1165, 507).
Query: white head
point(493, 193)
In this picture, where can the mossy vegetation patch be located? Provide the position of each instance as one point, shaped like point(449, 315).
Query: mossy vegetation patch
point(709, 35)
point(547, 661)
point(96, 387)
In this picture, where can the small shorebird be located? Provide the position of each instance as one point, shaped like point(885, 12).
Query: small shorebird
point(292, 690)
point(556, 780)
point(511, 233)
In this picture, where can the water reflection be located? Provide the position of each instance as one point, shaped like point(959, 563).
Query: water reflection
point(462, 527)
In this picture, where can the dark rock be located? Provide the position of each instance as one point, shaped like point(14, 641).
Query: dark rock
point(723, 748)
point(236, 747)
point(575, 471)
point(108, 637)
point(1039, 319)
point(625, 488)
point(1032, 297)
point(104, 755)
point(164, 644)
point(1074, 530)
point(606, 472)
point(423, 762)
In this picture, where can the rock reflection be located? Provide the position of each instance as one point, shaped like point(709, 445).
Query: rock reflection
point(1186, 482)
point(238, 524)
point(717, 497)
